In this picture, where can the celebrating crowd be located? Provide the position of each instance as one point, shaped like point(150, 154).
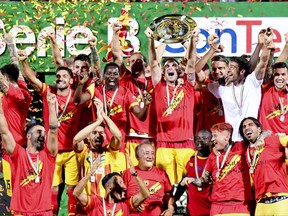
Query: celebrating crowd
point(121, 139)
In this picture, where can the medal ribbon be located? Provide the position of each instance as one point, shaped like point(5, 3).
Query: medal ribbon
point(111, 101)
point(35, 168)
point(224, 159)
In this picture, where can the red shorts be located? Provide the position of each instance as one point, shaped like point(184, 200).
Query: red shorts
point(239, 208)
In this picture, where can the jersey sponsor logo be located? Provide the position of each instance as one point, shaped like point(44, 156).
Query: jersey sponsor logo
point(175, 103)
point(229, 167)
point(115, 110)
point(155, 188)
point(276, 113)
point(32, 175)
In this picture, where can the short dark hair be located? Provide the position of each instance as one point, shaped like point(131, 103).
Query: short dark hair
point(111, 64)
point(83, 57)
point(144, 57)
point(107, 177)
point(30, 126)
point(65, 68)
point(12, 71)
point(169, 59)
point(279, 65)
point(242, 63)
point(256, 122)
point(138, 147)
point(221, 58)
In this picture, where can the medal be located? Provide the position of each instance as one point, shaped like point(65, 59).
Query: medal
point(217, 174)
point(58, 123)
point(141, 104)
point(251, 170)
point(200, 189)
point(37, 179)
point(92, 178)
point(282, 118)
point(169, 111)
point(220, 112)
point(240, 112)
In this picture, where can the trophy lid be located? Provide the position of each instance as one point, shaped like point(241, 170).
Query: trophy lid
point(172, 28)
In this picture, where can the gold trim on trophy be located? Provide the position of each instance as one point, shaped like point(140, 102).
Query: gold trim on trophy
point(172, 28)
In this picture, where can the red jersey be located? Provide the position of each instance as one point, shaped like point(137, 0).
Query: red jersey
point(273, 109)
point(198, 199)
point(270, 170)
point(197, 110)
point(94, 207)
point(15, 106)
point(157, 182)
point(233, 182)
point(121, 102)
point(212, 111)
point(69, 118)
point(135, 126)
point(174, 122)
point(29, 196)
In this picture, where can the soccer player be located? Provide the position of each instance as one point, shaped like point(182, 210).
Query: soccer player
point(198, 197)
point(174, 103)
point(228, 171)
point(267, 168)
point(155, 179)
point(34, 165)
point(135, 79)
point(118, 100)
point(111, 159)
point(242, 96)
point(68, 115)
point(113, 203)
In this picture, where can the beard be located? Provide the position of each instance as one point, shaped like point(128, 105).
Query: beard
point(39, 143)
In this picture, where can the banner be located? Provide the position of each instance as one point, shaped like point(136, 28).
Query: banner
point(237, 25)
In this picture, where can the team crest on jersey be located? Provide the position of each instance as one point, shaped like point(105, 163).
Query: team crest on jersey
point(32, 174)
point(154, 188)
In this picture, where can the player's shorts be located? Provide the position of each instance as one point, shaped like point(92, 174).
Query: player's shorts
point(272, 206)
point(229, 208)
point(68, 161)
point(173, 157)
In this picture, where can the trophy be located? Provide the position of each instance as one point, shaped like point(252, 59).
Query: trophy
point(172, 28)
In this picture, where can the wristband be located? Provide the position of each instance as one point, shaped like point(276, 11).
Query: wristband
point(53, 127)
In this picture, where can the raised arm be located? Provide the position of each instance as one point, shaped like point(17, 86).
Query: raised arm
point(81, 197)
point(115, 43)
point(10, 41)
point(92, 40)
point(52, 138)
point(156, 72)
point(264, 58)
point(58, 60)
point(284, 54)
point(115, 142)
point(255, 55)
point(81, 97)
point(215, 47)
point(78, 143)
point(192, 56)
point(143, 190)
point(7, 138)
point(28, 73)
